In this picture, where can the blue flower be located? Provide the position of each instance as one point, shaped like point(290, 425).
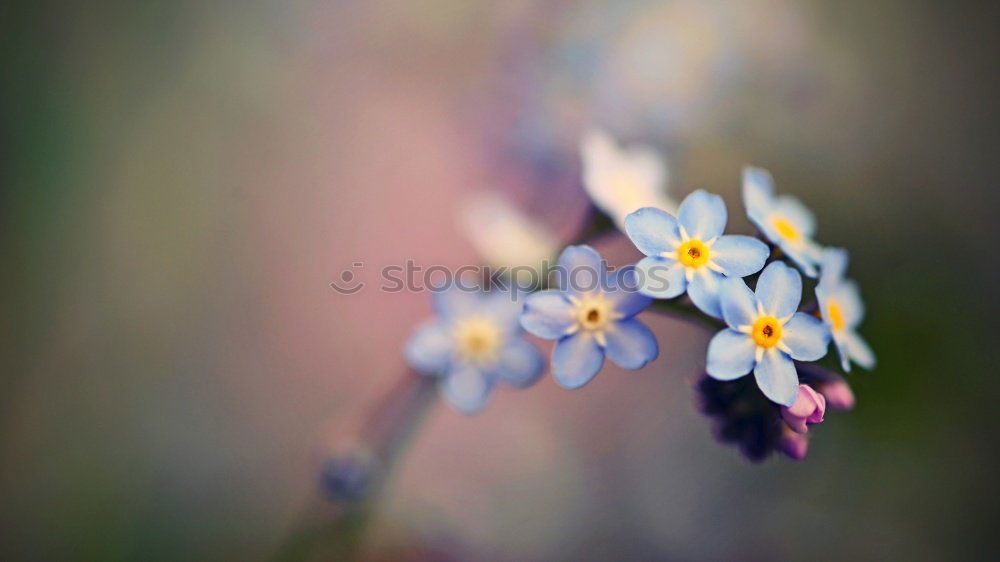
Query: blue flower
point(765, 333)
point(842, 309)
point(784, 220)
point(690, 253)
point(590, 316)
point(474, 341)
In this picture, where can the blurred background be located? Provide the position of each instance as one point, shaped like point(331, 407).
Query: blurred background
point(182, 180)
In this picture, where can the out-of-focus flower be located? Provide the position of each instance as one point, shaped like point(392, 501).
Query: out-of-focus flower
point(842, 309)
point(690, 253)
point(838, 394)
point(765, 333)
point(505, 237)
point(809, 408)
point(590, 316)
point(793, 445)
point(621, 180)
point(474, 341)
point(784, 220)
point(741, 415)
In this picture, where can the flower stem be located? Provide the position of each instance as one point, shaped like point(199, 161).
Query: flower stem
point(354, 479)
point(594, 226)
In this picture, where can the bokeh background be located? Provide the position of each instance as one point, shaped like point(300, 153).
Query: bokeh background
point(181, 181)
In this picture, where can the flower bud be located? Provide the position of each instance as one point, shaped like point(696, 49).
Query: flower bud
point(793, 445)
point(838, 394)
point(348, 478)
point(808, 408)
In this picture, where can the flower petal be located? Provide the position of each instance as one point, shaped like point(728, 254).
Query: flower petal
point(623, 290)
point(467, 389)
point(859, 351)
point(704, 291)
point(739, 255)
point(758, 190)
point(703, 215)
point(838, 394)
point(798, 214)
point(776, 377)
point(807, 337)
point(429, 349)
point(833, 266)
point(601, 161)
point(453, 301)
point(576, 359)
point(739, 306)
point(631, 344)
point(660, 278)
point(504, 308)
point(730, 355)
point(779, 289)
point(520, 364)
point(653, 231)
point(840, 342)
point(581, 269)
point(809, 408)
point(802, 255)
point(649, 172)
point(851, 306)
point(794, 445)
point(547, 314)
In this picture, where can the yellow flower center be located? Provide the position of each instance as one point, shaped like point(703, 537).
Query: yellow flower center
point(835, 314)
point(786, 229)
point(477, 340)
point(767, 331)
point(693, 253)
point(594, 312)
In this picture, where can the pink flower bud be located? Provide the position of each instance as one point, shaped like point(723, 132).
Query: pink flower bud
point(838, 394)
point(794, 445)
point(808, 408)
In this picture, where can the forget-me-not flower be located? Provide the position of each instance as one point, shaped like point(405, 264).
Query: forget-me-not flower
point(506, 237)
point(766, 333)
point(690, 253)
point(784, 220)
point(621, 180)
point(590, 316)
point(842, 309)
point(475, 341)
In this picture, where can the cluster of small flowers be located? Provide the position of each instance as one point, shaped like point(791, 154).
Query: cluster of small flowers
point(477, 339)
